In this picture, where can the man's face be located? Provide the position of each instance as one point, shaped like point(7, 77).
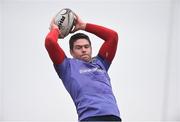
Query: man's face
point(82, 50)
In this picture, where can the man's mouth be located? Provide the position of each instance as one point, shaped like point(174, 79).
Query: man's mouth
point(85, 55)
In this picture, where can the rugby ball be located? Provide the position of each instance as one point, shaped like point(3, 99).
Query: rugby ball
point(65, 20)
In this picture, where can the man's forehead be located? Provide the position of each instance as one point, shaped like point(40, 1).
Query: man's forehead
point(81, 42)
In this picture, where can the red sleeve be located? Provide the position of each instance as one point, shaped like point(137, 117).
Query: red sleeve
point(56, 54)
point(108, 49)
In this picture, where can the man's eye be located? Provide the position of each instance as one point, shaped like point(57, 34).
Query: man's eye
point(87, 46)
point(78, 47)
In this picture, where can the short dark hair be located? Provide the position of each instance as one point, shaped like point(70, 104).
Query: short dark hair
point(77, 36)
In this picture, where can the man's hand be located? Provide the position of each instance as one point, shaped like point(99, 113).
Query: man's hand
point(79, 25)
point(53, 25)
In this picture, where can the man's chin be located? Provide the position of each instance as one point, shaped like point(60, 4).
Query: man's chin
point(85, 58)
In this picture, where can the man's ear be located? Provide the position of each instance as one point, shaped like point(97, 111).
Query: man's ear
point(71, 52)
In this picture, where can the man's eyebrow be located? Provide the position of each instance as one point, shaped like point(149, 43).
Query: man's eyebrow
point(82, 45)
point(78, 45)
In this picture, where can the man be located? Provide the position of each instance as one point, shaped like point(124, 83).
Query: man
point(84, 77)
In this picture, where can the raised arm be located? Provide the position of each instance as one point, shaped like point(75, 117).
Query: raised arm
point(56, 54)
point(108, 49)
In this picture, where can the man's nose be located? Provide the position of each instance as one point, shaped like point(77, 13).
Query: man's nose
point(83, 49)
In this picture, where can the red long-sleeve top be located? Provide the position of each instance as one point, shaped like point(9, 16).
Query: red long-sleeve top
point(107, 50)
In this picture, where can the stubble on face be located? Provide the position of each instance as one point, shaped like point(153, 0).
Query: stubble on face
point(82, 50)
